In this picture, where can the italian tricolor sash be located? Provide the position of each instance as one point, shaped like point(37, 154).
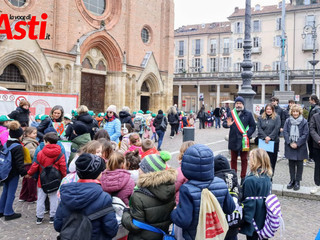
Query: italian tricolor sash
point(242, 130)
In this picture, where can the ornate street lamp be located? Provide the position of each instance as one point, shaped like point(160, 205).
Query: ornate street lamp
point(246, 89)
point(312, 29)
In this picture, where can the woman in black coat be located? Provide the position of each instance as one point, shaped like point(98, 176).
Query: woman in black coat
point(160, 128)
point(269, 124)
point(87, 119)
point(125, 116)
point(21, 114)
point(295, 133)
point(173, 119)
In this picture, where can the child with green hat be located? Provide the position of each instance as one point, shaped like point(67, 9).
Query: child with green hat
point(4, 132)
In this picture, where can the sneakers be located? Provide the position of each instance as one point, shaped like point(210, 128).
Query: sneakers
point(13, 216)
point(21, 200)
point(315, 190)
point(171, 137)
point(39, 221)
point(46, 211)
point(51, 220)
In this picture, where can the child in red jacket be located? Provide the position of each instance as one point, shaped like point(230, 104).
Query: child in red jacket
point(46, 157)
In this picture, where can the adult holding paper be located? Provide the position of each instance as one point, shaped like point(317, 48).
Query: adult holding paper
point(269, 124)
point(242, 126)
point(295, 134)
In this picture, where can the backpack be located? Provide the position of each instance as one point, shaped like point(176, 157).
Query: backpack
point(154, 229)
point(79, 227)
point(273, 218)
point(6, 161)
point(212, 222)
point(137, 124)
point(118, 206)
point(235, 218)
point(50, 177)
point(163, 124)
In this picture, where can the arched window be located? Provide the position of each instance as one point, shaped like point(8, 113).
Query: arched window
point(86, 63)
point(144, 87)
point(18, 3)
point(97, 7)
point(11, 74)
point(145, 35)
point(101, 66)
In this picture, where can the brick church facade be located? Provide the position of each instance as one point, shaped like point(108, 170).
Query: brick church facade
point(108, 51)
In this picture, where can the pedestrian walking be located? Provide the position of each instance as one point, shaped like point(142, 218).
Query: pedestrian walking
point(269, 124)
point(88, 120)
point(314, 108)
point(315, 135)
point(295, 134)
point(173, 120)
point(217, 117)
point(202, 118)
point(256, 184)
point(160, 123)
point(125, 116)
point(242, 126)
point(17, 164)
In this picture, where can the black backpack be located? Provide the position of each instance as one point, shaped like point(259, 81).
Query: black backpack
point(79, 227)
point(50, 177)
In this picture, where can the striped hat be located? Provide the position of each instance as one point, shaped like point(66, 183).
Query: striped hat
point(155, 162)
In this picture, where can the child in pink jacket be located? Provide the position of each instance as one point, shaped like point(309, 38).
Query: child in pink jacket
point(135, 143)
point(181, 179)
point(115, 180)
point(4, 132)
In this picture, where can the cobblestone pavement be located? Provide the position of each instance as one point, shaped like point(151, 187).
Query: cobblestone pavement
point(302, 217)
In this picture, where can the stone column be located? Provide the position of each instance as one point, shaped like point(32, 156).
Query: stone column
point(180, 98)
point(198, 98)
point(239, 87)
point(218, 96)
point(263, 93)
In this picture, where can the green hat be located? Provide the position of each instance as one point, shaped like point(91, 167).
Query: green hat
point(101, 114)
point(75, 114)
point(68, 116)
point(164, 114)
point(140, 111)
point(155, 162)
point(154, 115)
point(191, 111)
point(148, 112)
point(91, 113)
point(134, 113)
point(43, 117)
point(38, 117)
point(4, 118)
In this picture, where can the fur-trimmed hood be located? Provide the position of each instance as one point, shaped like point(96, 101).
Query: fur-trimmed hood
point(158, 184)
point(154, 179)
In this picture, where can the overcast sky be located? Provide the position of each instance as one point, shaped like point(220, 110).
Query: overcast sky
point(205, 11)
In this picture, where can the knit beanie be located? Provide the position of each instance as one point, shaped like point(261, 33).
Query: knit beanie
point(15, 130)
point(239, 99)
point(89, 166)
point(112, 108)
point(155, 162)
point(80, 128)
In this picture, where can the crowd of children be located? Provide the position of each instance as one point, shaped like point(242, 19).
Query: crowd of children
point(87, 178)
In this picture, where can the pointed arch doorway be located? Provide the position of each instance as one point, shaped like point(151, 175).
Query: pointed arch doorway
point(145, 97)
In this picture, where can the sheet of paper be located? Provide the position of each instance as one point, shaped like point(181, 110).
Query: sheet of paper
point(269, 147)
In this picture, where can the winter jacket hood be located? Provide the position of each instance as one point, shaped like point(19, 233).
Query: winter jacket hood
point(82, 139)
point(4, 134)
point(78, 196)
point(197, 163)
point(21, 115)
point(149, 152)
point(157, 183)
point(51, 150)
point(85, 118)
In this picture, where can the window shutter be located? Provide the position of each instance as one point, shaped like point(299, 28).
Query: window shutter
point(259, 42)
point(235, 27)
point(230, 45)
point(259, 25)
point(177, 47)
point(241, 27)
point(220, 64)
point(259, 66)
point(193, 46)
point(201, 46)
point(221, 45)
point(274, 41)
point(208, 65)
point(201, 69)
point(235, 44)
point(193, 64)
point(185, 48)
point(177, 66)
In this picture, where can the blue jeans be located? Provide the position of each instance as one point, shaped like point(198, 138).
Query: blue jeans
point(160, 138)
point(8, 195)
point(217, 120)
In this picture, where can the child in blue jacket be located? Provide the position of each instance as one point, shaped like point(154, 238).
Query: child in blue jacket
point(198, 167)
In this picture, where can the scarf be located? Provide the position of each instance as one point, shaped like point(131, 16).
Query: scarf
point(294, 129)
point(242, 130)
point(110, 119)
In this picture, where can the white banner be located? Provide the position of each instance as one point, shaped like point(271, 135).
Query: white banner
point(40, 102)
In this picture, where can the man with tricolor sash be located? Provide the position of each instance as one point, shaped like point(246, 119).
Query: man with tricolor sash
point(242, 126)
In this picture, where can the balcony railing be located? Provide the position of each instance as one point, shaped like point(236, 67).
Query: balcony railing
point(213, 52)
point(308, 47)
point(226, 51)
point(256, 50)
point(237, 75)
